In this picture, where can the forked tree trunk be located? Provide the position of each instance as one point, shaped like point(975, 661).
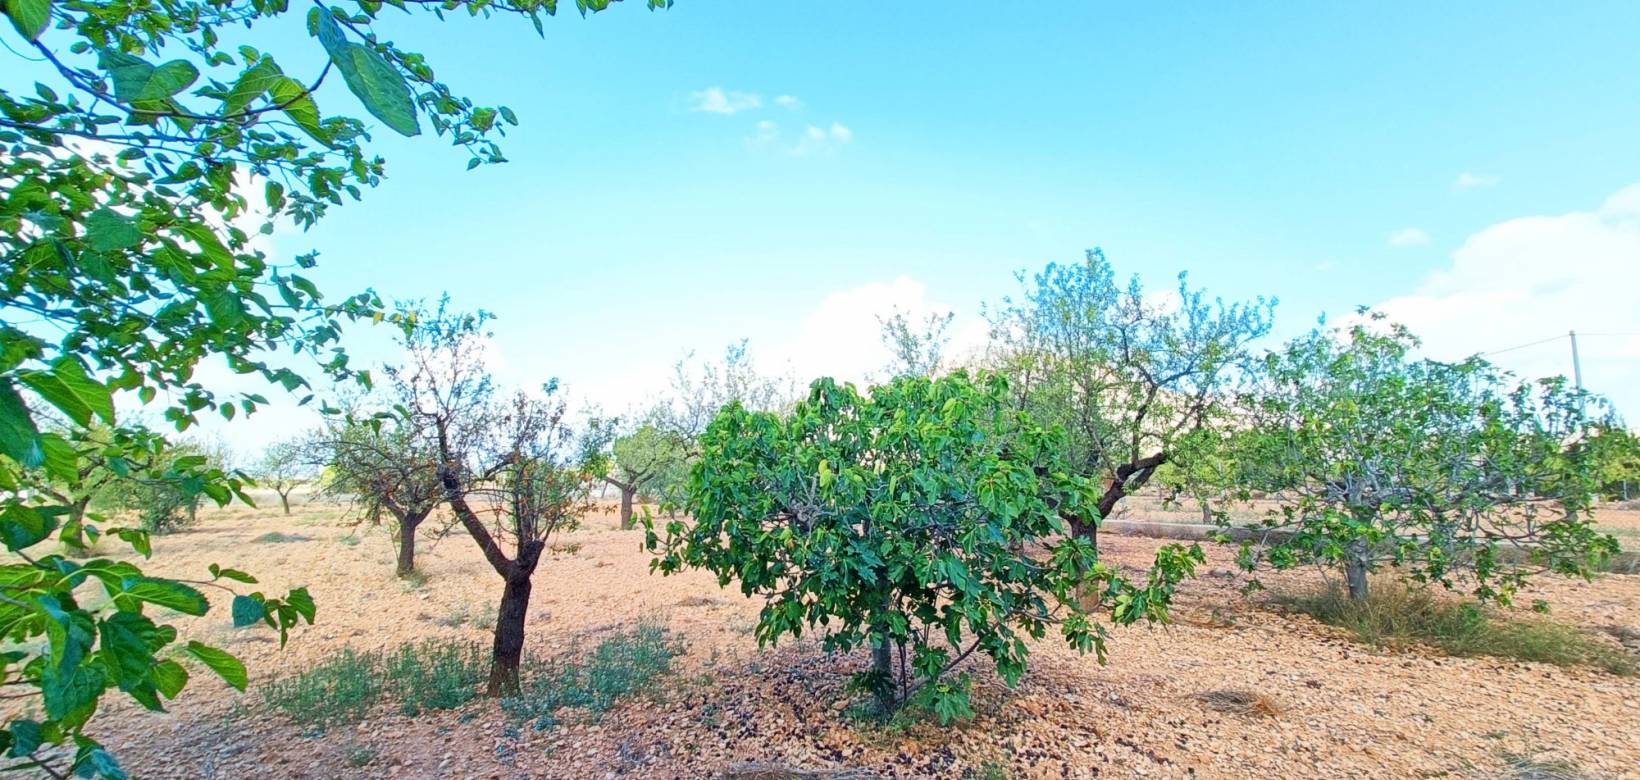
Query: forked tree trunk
point(627, 493)
point(508, 651)
point(284, 501)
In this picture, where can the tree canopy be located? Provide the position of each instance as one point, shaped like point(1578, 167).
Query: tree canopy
point(1455, 472)
point(1129, 377)
point(905, 520)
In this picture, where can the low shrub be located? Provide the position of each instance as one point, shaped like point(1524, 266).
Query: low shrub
point(429, 675)
point(1400, 615)
point(628, 663)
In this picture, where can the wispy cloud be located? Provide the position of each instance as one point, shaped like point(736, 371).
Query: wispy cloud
point(1409, 237)
point(788, 101)
point(1470, 181)
point(1498, 292)
point(717, 100)
point(817, 139)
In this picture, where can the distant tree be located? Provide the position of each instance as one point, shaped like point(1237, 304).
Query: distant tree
point(915, 350)
point(386, 467)
point(284, 467)
point(923, 520)
point(1615, 451)
point(1128, 376)
point(700, 391)
point(97, 459)
point(1375, 458)
point(513, 473)
point(645, 461)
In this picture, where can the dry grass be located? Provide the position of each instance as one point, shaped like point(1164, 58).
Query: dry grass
point(1535, 766)
point(1396, 615)
point(1239, 702)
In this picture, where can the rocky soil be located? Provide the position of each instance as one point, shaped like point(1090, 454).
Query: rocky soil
point(1326, 707)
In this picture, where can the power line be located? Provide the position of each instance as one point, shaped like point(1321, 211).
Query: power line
point(1524, 346)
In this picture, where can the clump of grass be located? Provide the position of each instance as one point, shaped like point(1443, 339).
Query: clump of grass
point(434, 675)
point(413, 579)
point(990, 770)
point(1535, 766)
point(275, 537)
point(1396, 615)
point(430, 675)
point(626, 664)
point(339, 689)
point(351, 540)
point(564, 548)
point(1240, 702)
point(359, 756)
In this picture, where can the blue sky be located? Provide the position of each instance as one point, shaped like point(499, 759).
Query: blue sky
point(1463, 164)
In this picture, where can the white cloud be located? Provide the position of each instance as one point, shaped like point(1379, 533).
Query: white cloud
point(1409, 237)
point(788, 101)
point(1469, 181)
point(842, 336)
point(717, 100)
point(817, 139)
point(1536, 278)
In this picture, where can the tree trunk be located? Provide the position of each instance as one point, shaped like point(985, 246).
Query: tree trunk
point(284, 501)
point(1355, 571)
point(508, 652)
point(626, 507)
point(1088, 531)
point(407, 544)
point(882, 667)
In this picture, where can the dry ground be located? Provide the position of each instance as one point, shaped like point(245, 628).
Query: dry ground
point(1340, 710)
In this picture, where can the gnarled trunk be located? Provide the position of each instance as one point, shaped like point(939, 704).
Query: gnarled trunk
point(1355, 571)
point(627, 493)
point(408, 523)
point(508, 652)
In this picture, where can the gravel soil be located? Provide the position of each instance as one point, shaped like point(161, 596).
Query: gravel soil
point(1330, 708)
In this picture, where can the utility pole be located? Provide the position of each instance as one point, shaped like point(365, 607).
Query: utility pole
point(1577, 367)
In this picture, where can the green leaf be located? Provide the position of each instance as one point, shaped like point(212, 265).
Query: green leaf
point(252, 84)
point(247, 611)
point(379, 86)
point(69, 388)
point(232, 574)
point(30, 17)
point(139, 540)
point(294, 99)
point(302, 602)
point(166, 593)
point(22, 527)
point(126, 650)
point(19, 439)
point(108, 231)
point(170, 678)
point(26, 736)
point(138, 81)
point(229, 667)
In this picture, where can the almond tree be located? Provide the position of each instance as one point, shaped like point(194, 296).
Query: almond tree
point(1129, 377)
point(283, 468)
point(513, 473)
point(1454, 473)
point(387, 468)
point(643, 461)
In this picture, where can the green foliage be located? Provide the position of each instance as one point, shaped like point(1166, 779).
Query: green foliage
point(915, 350)
point(1374, 458)
point(342, 689)
point(903, 520)
point(1399, 616)
point(1616, 455)
point(133, 183)
point(1134, 381)
point(627, 663)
